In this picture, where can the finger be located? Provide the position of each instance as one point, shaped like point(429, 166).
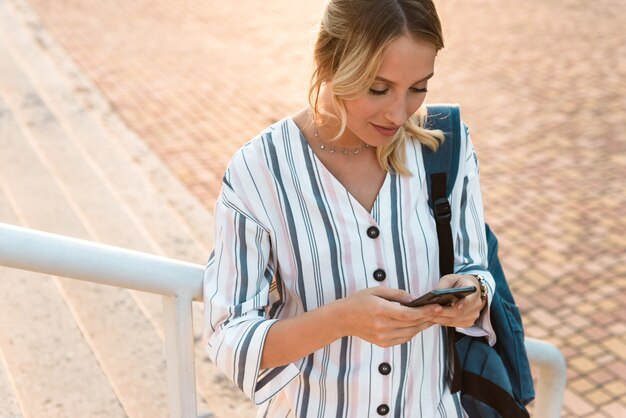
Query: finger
point(393, 295)
point(408, 326)
point(449, 321)
point(407, 333)
point(472, 303)
point(390, 326)
point(462, 321)
point(450, 280)
point(447, 312)
point(422, 313)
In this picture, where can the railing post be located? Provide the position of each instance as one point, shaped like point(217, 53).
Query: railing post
point(177, 315)
point(550, 363)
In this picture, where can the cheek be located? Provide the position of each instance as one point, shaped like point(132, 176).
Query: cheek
point(414, 104)
point(362, 108)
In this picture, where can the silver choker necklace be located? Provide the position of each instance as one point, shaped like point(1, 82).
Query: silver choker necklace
point(340, 150)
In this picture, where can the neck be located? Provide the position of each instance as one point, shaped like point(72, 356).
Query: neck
point(326, 130)
point(333, 147)
point(328, 123)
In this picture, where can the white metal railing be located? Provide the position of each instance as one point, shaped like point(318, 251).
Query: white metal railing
point(180, 283)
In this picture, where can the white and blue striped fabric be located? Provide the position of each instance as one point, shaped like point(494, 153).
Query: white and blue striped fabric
point(290, 238)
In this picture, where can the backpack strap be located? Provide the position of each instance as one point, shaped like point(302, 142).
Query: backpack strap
point(441, 168)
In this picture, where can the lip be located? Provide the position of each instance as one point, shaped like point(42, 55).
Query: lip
point(386, 131)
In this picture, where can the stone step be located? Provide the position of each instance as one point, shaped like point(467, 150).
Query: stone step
point(50, 364)
point(93, 169)
point(50, 368)
point(90, 158)
point(89, 193)
point(8, 397)
point(101, 151)
point(9, 402)
point(104, 137)
point(115, 328)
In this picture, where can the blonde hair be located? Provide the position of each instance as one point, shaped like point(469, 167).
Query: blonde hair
point(348, 51)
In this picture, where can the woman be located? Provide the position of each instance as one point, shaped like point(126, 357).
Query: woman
point(323, 231)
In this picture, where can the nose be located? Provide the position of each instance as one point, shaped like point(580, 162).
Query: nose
point(397, 111)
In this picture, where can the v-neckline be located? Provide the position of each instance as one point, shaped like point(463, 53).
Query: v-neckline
point(338, 184)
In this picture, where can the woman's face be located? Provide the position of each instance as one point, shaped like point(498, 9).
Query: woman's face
point(398, 91)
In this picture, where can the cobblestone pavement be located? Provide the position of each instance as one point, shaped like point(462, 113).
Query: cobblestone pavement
point(542, 84)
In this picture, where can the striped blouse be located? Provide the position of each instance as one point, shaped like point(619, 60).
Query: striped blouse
point(290, 238)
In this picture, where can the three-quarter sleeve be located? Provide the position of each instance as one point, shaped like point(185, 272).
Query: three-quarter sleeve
point(237, 284)
point(470, 241)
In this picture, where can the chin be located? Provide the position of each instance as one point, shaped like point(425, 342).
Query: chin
point(377, 139)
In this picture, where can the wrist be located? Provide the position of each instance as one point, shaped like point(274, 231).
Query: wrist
point(482, 288)
point(338, 318)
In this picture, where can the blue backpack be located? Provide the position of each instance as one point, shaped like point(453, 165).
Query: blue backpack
point(495, 382)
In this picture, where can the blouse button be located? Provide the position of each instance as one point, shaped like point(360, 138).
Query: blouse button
point(384, 368)
point(380, 275)
point(382, 409)
point(373, 232)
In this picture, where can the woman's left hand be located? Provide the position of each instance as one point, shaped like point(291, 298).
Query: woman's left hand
point(464, 312)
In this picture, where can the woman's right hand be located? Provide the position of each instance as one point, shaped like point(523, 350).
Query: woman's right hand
point(378, 316)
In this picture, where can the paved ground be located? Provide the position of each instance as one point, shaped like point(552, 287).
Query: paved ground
point(542, 86)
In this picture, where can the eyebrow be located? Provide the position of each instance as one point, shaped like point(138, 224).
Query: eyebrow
point(383, 79)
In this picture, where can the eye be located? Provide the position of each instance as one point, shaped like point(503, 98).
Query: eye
point(419, 90)
point(378, 92)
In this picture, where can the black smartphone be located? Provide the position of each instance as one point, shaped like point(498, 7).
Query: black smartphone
point(443, 297)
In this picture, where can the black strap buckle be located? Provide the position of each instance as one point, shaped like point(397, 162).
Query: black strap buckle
point(443, 212)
